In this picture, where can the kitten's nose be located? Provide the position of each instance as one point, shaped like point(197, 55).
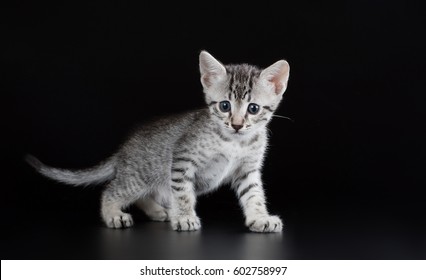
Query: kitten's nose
point(237, 126)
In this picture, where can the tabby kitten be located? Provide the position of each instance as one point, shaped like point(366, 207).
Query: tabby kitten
point(165, 165)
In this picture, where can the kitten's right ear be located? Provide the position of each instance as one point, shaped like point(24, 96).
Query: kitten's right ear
point(277, 75)
point(211, 70)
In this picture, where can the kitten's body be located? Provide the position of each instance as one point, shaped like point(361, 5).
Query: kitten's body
point(163, 166)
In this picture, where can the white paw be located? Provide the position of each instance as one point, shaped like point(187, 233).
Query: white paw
point(186, 223)
point(122, 220)
point(264, 224)
point(160, 215)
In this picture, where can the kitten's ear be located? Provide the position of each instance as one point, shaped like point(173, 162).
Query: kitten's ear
point(277, 74)
point(211, 70)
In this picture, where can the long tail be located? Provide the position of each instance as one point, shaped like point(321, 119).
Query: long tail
point(95, 175)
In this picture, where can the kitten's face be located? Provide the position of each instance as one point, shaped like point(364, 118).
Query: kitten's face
point(242, 98)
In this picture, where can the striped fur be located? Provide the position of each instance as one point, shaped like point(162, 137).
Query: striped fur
point(166, 164)
point(241, 80)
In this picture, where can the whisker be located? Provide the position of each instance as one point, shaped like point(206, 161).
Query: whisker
point(283, 117)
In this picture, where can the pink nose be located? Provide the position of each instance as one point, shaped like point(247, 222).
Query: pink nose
point(237, 127)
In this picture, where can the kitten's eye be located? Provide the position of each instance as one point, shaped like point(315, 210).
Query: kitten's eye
point(225, 106)
point(253, 108)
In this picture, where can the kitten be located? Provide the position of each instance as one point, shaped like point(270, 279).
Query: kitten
point(165, 165)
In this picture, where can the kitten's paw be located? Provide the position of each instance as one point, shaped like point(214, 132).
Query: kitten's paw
point(159, 216)
point(186, 223)
point(265, 224)
point(122, 220)
point(153, 210)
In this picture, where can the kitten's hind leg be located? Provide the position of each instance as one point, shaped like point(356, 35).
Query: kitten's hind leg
point(152, 209)
point(113, 216)
point(114, 200)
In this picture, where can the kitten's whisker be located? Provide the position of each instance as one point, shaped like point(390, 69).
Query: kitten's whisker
point(283, 117)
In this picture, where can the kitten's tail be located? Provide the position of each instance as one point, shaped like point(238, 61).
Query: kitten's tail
point(94, 175)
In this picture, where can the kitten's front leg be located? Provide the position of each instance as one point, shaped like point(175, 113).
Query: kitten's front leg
point(182, 212)
point(248, 187)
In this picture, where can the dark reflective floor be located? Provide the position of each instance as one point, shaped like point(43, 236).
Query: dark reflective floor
point(73, 236)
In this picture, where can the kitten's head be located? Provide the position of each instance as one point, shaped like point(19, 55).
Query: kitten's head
point(242, 98)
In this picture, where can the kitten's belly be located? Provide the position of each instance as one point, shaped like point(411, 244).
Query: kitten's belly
point(214, 173)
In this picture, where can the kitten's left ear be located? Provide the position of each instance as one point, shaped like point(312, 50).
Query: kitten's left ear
point(277, 74)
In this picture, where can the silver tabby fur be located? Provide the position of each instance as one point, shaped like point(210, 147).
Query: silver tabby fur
point(165, 165)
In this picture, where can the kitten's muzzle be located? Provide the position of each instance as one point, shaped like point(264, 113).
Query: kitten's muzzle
point(237, 126)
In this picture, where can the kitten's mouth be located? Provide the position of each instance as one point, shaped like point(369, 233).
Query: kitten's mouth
point(238, 132)
point(232, 131)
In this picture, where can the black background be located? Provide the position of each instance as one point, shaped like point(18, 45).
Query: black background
point(347, 176)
